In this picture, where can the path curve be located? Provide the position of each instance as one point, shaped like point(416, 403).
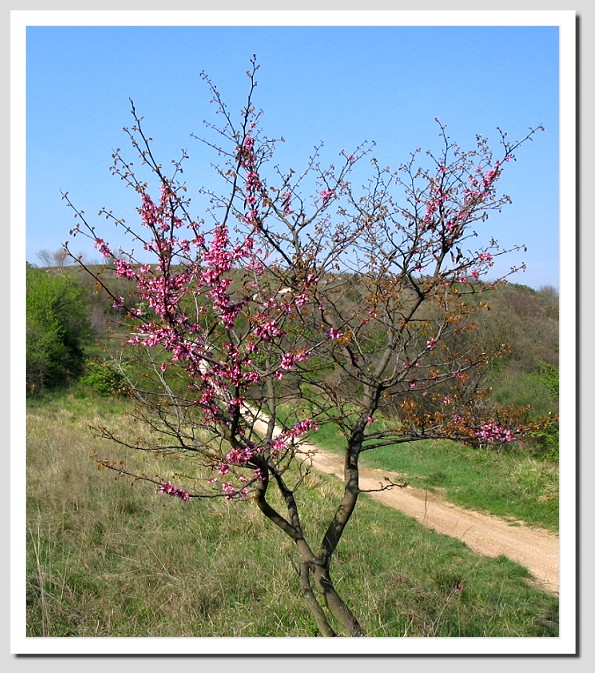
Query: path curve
point(536, 549)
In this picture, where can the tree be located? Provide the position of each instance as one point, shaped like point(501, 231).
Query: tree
point(58, 328)
point(57, 257)
point(276, 313)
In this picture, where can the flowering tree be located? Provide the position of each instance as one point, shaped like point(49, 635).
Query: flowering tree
point(277, 313)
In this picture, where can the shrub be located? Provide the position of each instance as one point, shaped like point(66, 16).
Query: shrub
point(58, 328)
point(104, 379)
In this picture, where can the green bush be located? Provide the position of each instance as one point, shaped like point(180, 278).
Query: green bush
point(104, 379)
point(547, 442)
point(58, 328)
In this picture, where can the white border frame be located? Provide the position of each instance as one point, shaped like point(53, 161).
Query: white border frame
point(566, 643)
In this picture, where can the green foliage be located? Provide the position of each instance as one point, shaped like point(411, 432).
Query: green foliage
point(545, 444)
point(538, 389)
point(58, 328)
point(104, 379)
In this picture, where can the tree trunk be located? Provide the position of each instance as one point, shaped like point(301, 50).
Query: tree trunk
point(313, 605)
point(335, 604)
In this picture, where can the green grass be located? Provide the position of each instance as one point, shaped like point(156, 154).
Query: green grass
point(505, 483)
point(109, 558)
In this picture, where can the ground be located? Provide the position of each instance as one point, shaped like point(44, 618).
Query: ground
point(534, 548)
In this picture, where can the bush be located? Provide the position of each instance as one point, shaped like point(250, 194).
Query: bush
point(104, 379)
point(58, 329)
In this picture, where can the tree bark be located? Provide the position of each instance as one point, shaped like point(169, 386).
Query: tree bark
point(335, 604)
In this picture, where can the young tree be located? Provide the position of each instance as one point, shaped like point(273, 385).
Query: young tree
point(58, 329)
point(53, 257)
point(276, 313)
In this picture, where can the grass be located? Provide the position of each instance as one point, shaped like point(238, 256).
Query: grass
point(107, 557)
point(509, 484)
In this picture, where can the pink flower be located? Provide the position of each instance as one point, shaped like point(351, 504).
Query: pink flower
point(287, 360)
point(287, 203)
point(334, 334)
point(301, 299)
point(327, 194)
point(103, 247)
point(302, 427)
point(169, 489)
point(492, 432)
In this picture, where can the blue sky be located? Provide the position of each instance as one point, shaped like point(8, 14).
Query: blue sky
point(339, 84)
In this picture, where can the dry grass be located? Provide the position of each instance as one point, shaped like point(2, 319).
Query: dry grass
point(107, 557)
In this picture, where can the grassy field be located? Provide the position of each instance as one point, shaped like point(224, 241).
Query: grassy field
point(508, 484)
point(106, 557)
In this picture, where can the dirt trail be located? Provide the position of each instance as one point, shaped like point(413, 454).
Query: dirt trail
point(536, 549)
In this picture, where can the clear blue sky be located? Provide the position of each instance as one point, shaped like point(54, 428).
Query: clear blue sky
point(341, 85)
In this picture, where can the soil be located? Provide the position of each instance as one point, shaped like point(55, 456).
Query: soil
point(534, 548)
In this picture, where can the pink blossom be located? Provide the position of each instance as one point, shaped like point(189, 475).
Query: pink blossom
point(268, 330)
point(431, 344)
point(103, 248)
point(125, 270)
point(492, 432)
point(240, 456)
point(302, 427)
point(334, 334)
point(169, 489)
point(287, 203)
point(301, 299)
point(287, 360)
point(327, 194)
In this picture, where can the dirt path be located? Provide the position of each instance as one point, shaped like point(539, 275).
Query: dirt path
point(536, 549)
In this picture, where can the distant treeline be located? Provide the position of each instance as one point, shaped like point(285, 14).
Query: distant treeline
point(71, 317)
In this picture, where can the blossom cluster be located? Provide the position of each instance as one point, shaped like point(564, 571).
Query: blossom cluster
point(492, 432)
point(327, 195)
point(431, 343)
point(480, 188)
point(334, 334)
point(169, 489)
point(282, 441)
point(253, 184)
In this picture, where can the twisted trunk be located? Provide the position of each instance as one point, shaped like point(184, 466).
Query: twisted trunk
point(321, 597)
